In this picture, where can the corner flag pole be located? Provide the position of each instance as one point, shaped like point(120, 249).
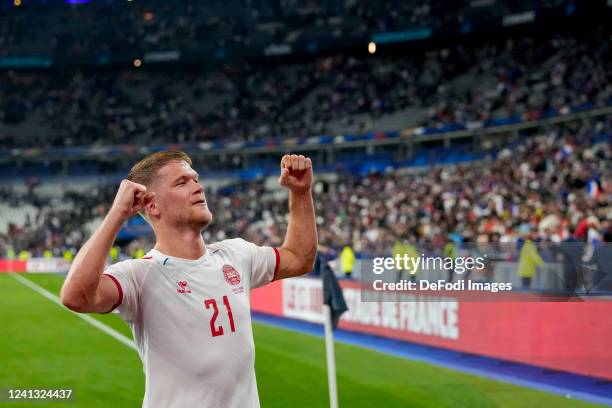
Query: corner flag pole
point(333, 306)
point(331, 359)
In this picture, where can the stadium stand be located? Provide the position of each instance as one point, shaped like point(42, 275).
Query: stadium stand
point(516, 79)
point(118, 26)
point(554, 184)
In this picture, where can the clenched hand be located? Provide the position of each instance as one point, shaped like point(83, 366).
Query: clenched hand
point(296, 173)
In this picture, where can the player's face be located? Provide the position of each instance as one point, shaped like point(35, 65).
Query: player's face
point(180, 196)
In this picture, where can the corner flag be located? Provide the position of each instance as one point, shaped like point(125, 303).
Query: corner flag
point(332, 295)
point(333, 306)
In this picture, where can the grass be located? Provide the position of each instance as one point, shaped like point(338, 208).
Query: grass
point(45, 346)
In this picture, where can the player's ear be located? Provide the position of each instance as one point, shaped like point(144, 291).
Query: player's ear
point(152, 209)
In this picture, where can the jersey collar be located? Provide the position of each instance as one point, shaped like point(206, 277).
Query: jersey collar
point(165, 259)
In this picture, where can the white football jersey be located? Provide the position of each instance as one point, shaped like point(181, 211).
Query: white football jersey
point(191, 322)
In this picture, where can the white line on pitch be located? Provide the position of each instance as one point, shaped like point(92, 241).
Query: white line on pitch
point(94, 322)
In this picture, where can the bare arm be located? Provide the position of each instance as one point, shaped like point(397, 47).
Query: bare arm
point(85, 288)
point(298, 252)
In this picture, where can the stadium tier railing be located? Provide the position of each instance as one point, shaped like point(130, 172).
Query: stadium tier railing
point(410, 137)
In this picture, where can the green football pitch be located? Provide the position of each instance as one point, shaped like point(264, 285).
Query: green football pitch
point(43, 345)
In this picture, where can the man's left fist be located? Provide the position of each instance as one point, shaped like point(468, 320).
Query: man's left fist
point(296, 173)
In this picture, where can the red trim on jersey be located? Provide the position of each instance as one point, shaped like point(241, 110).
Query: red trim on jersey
point(147, 257)
point(277, 264)
point(120, 292)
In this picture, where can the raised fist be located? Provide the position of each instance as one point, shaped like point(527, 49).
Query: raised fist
point(296, 173)
point(131, 198)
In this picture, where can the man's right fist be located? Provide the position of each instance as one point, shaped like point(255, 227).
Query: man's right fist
point(131, 198)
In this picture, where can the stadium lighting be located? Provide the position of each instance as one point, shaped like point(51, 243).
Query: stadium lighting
point(17, 3)
point(372, 47)
point(137, 63)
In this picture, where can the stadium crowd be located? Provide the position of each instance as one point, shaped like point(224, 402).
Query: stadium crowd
point(526, 78)
point(550, 187)
point(57, 222)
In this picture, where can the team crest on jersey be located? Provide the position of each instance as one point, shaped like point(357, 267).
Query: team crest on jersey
point(182, 287)
point(231, 275)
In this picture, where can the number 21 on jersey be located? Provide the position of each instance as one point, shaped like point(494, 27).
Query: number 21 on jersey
point(218, 331)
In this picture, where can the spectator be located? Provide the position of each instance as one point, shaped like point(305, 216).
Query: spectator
point(347, 261)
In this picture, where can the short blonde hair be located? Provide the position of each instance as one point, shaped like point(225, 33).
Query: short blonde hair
point(146, 169)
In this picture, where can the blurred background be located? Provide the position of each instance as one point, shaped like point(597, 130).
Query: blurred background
point(482, 121)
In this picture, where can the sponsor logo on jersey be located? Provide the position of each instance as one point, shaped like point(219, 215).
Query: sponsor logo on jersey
point(231, 275)
point(182, 287)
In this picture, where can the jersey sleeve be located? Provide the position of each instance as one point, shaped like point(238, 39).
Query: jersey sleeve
point(264, 264)
point(122, 274)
